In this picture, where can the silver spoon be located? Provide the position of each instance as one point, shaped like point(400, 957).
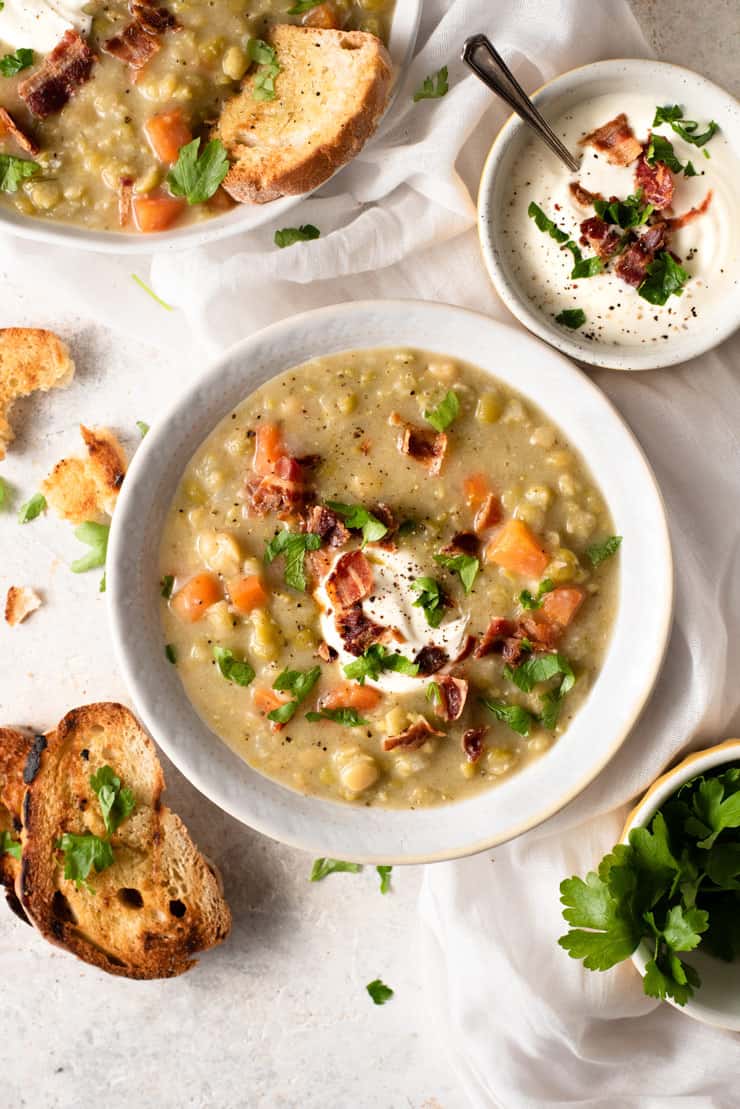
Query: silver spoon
point(487, 64)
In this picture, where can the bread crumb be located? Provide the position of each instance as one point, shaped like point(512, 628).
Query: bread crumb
point(20, 602)
point(80, 489)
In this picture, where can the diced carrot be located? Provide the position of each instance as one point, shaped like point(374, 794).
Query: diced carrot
point(515, 548)
point(167, 132)
point(476, 488)
point(266, 700)
point(197, 595)
point(561, 605)
point(269, 447)
point(247, 593)
point(157, 213)
point(352, 696)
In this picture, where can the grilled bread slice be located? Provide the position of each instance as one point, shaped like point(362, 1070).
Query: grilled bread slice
point(330, 93)
point(15, 746)
point(157, 903)
point(31, 359)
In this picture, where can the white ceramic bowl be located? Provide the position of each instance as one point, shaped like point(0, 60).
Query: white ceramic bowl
point(356, 832)
point(244, 217)
point(668, 84)
point(717, 1001)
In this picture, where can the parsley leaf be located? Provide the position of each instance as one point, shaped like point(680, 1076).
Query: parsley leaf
point(94, 536)
point(605, 930)
point(375, 659)
point(587, 267)
point(166, 584)
point(358, 518)
point(467, 566)
point(624, 213)
point(665, 278)
point(10, 846)
point(233, 669)
point(302, 6)
point(379, 992)
point(323, 867)
point(348, 717)
point(31, 509)
point(4, 490)
point(434, 86)
point(81, 854)
point(293, 546)
point(541, 668)
point(288, 236)
point(519, 719)
point(598, 552)
point(299, 683)
point(266, 57)
point(116, 804)
point(545, 224)
point(433, 694)
point(686, 128)
point(14, 170)
point(384, 873)
point(571, 317)
point(11, 64)
point(532, 602)
point(431, 599)
point(142, 427)
point(150, 292)
point(660, 149)
point(198, 176)
point(170, 653)
point(445, 413)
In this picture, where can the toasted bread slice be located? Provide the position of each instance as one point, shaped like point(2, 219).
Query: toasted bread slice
point(30, 359)
point(15, 746)
point(80, 489)
point(329, 96)
point(159, 903)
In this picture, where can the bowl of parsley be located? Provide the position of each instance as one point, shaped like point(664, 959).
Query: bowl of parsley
point(668, 896)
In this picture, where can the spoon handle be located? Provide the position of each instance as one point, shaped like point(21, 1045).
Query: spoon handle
point(480, 54)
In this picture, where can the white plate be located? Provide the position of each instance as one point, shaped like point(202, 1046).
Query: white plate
point(668, 84)
point(355, 832)
point(245, 217)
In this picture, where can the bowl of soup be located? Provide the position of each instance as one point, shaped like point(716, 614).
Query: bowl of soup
point(377, 598)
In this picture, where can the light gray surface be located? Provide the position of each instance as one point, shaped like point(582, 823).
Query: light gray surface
point(704, 36)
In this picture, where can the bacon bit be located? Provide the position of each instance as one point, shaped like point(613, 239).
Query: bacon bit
point(154, 20)
point(583, 196)
point(430, 659)
point(20, 602)
point(472, 743)
point(453, 693)
point(420, 443)
point(8, 126)
point(488, 515)
point(283, 492)
point(327, 653)
point(466, 650)
point(494, 637)
point(327, 525)
point(350, 581)
point(63, 71)
point(387, 516)
point(310, 461)
point(615, 140)
point(678, 222)
point(464, 542)
point(505, 637)
point(125, 195)
point(358, 631)
point(414, 737)
point(656, 183)
point(134, 46)
point(603, 239)
point(632, 265)
point(654, 237)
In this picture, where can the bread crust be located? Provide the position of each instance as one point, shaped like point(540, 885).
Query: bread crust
point(31, 359)
point(80, 489)
point(14, 748)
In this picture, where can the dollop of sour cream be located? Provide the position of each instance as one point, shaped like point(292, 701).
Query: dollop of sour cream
point(391, 604)
point(40, 24)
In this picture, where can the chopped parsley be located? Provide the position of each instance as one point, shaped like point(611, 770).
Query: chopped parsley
point(170, 653)
point(583, 267)
point(348, 717)
point(14, 170)
point(11, 64)
point(433, 694)
point(232, 668)
point(445, 413)
point(116, 804)
point(150, 292)
point(302, 6)
point(467, 566)
point(94, 536)
point(544, 223)
point(431, 599)
point(434, 86)
point(519, 719)
point(541, 668)
point(299, 683)
point(685, 128)
point(408, 527)
point(532, 602)
point(665, 278)
point(571, 317)
point(358, 518)
point(3, 491)
point(293, 546)
point(31, 509)
point(288, 236)
point(624, 213)
point(323, 867)
point(142, 427)
point(197, 176)
point(81, 854)
point(266, 58)
point(166, 585)
point(376, 659)
point(660, 149)
point(379, 992)
point(384, 873)
point(9, 846)
point(598, 552)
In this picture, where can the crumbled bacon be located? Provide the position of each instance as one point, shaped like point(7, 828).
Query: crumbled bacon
point(154, 20)
point(653, 238)
point(358, 631)
point(413, 737)
point(387, 516)
point(430, 659)
point(583, 196)
point(453, 693)
point(8, 126)
point(134, 46)
point(63, 71)
point(656, 183)
point(488, 515)
point(325, 523)
point(472, 743)
point(603, 238)
point(678, 222)
point(505, 637)
point(420, 443)
point(632, 265)
point(310, 461)
point(615, 140)
point(466, 650)
point(494, 637)
point(463, 542)
point(350, 581)
point(125, 198)
point(283, 491)
point(326, 652)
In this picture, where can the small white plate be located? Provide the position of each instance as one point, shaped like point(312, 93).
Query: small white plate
point(244, 217)
point(717, 1001)
point(667, 84)
point(355, 832)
